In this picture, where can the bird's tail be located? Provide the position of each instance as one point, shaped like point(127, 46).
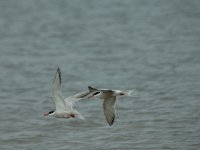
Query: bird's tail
point(78, 115)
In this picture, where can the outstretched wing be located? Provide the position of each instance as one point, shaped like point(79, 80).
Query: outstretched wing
point(92, 90)
point(72, 99)
point(57, 92)
point(109, 109)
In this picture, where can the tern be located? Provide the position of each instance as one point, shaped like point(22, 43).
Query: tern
point(109, 97)
point(64, 106)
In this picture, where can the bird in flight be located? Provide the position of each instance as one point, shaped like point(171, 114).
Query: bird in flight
point(64, 106)
point(109, 97)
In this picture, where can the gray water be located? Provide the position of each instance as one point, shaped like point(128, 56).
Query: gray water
point(152, 47)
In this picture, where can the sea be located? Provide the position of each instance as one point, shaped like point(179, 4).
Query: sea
point(149, 46)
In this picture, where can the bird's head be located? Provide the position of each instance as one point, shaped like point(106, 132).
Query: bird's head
point(124, 93)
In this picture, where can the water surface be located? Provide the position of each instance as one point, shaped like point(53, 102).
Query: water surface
point(149, 46)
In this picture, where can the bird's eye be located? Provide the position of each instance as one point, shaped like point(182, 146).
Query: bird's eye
point(121, 94)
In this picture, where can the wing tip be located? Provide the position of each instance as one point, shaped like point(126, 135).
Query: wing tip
point(91, 89)
point(110, 122)
point(59, 74)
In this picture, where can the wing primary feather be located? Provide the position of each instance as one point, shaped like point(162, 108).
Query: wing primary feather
point(91, 89)
point(72, 99)
point(59, 74)
point(57, 93)
point(109, 110)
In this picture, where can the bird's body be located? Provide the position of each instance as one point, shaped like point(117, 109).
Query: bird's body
point(109, 97)
point(66, 114)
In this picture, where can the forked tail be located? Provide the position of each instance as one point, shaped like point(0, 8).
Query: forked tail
point(78, 115)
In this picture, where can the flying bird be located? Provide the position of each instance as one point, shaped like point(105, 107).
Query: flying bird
point(64, 106)
point(109, 97)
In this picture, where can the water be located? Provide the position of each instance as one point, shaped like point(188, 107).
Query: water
point(149, 46)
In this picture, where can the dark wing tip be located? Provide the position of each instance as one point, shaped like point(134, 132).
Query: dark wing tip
point(58, 70)
point(59, 74)
point(91, 89)
point(110, 122)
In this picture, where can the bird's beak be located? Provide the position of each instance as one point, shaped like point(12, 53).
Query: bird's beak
point(46, 114)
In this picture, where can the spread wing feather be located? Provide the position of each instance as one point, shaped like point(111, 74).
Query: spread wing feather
point(57, 92)
point(109, 109)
